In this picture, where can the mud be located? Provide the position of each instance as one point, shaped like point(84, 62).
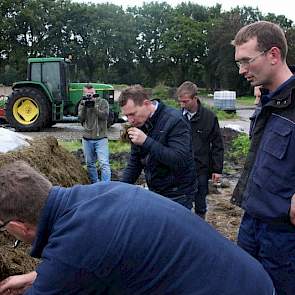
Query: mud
point(65, 169)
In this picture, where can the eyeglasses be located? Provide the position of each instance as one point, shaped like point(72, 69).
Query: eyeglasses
point(2, 228)
point(246, 63)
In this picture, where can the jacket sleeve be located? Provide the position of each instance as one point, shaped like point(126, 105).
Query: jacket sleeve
point(55, 277)
point(216, 149)
point(177, 150)
point(82, 112)
point(102, 110)
point(134, 166)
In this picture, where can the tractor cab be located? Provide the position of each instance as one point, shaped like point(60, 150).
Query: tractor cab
point(53, 73)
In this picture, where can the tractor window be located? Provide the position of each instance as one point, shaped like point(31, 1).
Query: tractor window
point(36, 72)
point(51, 77)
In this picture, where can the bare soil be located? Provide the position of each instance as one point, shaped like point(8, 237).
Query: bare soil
point(64, 169)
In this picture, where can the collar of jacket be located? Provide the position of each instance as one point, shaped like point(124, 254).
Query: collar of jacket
point(151, 121)
point(283, 98)
point(197, 115)
point(48, 215)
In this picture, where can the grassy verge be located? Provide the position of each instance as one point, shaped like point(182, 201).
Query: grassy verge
point(71, 145)
point(221, 115)
point(246, 100)
point(116, 148)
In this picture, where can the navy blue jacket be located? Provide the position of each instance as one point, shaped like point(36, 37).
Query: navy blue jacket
point(119, 239)
point(166, 156)
point(267, 183)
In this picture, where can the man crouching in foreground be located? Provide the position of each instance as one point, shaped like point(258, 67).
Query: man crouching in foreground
point(115, 238)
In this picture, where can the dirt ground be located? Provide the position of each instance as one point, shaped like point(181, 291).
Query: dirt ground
point(63, 168)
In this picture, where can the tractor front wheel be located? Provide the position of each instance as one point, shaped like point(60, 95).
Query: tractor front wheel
point(28, 109)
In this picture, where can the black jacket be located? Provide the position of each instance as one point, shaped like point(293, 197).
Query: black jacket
point(207, 142)
point(166, 156)
point(266, 185)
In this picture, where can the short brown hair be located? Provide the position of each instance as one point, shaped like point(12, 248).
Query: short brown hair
point(268, 35)
point(23, 192)
point(187, 87)
point(136, 93)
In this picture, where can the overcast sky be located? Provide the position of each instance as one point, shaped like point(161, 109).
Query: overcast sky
point(277, 7)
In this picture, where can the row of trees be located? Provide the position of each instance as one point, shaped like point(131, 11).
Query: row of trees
point(151, 44)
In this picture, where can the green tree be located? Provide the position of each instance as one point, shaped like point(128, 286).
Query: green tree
point(184, 46)
point(151, 24)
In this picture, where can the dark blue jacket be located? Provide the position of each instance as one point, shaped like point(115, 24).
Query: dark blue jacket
point(166, 156)
point(119, 239)
point(267, 183)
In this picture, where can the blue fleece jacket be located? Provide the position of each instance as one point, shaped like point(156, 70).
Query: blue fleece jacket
point(116, 239)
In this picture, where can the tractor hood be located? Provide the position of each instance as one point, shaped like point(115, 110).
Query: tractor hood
point(96, 86)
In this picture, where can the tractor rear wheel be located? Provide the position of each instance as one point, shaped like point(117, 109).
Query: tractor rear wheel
point(28, 109)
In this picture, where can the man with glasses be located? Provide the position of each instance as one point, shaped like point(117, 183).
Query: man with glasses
point(266, 188)
point(114, 238)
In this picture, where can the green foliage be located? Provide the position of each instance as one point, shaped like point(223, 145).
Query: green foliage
point(246, 100)
point(240, 146)
point(149, 44)
point(222, 115)
point(171, 103)
point(3, 101)
point(119, 86)
point(117, 165)
point(70, 145)
point(161, 92)
point(117, 146)
point(204, 92)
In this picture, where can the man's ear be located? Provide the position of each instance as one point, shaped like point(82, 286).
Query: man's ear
point(146, 102)
point(22, 230)
point(275, 54)
point(19, 226)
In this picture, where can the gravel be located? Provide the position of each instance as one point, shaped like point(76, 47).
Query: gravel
point(70, 131)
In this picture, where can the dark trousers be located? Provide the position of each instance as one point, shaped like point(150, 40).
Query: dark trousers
point(183, 200)
point(274, 246)
point(200, 195)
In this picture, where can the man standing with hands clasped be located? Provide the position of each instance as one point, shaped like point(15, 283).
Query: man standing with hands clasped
point(266, 188)
point(207, 142)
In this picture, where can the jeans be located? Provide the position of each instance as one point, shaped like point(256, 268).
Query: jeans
point(273, 245)
point(200, 195)
point(97, 149)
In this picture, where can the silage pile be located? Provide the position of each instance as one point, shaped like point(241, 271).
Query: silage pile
point(61, 168)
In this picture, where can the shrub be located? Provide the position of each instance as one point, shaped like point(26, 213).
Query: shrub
point(240, 146)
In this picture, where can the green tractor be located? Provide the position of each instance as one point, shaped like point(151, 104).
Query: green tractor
point(48, 96)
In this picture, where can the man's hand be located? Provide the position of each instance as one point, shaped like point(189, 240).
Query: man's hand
point(16, 285)
point(137, 136)
point(216, 177)
point(292, 210)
